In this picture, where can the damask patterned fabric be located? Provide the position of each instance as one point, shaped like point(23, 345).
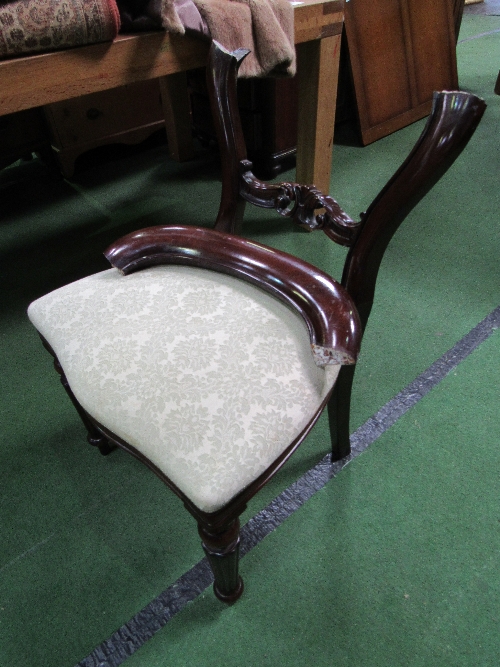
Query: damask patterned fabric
point(28, 26)
point(208, 376)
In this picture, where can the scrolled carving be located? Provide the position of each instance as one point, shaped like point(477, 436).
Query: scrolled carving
point(299, 202)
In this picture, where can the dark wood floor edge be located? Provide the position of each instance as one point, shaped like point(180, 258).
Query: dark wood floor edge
point(134, 634)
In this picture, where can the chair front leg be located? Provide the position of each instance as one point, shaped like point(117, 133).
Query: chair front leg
point(222, 550)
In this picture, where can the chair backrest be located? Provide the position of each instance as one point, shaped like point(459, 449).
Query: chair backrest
point(453, 120)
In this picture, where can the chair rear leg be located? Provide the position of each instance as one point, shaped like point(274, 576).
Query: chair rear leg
point(339, 409)
point(94, 436)
point(222, 550)
point(222, 71)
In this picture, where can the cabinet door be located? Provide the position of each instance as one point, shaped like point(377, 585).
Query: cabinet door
point(401, 51)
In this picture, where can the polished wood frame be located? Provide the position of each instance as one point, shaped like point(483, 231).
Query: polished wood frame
point(453, 120)
point(335, 334)
point(330, 311)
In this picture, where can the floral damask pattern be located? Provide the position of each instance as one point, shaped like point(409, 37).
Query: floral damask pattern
point(28, 26)
point(209, 377)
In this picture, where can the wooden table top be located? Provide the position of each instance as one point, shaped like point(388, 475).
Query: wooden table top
point(45, 78)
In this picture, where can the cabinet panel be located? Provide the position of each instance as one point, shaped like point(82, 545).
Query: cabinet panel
point(84, 119)
point(378, 52)
point(128, 114)
point(401, 51)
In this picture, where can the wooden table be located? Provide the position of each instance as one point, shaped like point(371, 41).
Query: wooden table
point(42, 79)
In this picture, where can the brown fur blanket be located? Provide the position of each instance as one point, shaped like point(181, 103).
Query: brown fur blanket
point(263, 26)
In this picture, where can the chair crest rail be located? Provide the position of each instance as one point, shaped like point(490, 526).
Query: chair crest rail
point(299, 202)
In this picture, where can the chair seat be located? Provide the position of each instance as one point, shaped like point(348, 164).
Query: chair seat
point(209, 377)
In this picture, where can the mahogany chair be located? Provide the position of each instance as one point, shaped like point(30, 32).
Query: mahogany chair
point(206, 356)
point(452, 122)
point(210, 357)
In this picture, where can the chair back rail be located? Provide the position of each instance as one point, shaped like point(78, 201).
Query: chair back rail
point(452, 122)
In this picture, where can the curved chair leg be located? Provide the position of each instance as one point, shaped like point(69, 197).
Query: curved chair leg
point(339, 410)
point(94, 437)
point(222, 550)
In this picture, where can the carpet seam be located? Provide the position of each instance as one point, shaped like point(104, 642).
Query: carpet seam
point(144, 625)
point(481, 34)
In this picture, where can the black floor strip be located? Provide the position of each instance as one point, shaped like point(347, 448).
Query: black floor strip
point(131, 636)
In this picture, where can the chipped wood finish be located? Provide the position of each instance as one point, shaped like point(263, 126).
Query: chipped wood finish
point(326, 307)
point(453, 120)
point(335, 334)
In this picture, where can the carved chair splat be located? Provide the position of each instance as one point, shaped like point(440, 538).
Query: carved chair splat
point(453, 120)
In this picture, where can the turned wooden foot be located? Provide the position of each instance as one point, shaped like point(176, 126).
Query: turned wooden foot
point(222, 550)
point(339, 409)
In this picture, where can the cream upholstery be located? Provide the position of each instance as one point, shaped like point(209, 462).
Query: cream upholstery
point(209, 377)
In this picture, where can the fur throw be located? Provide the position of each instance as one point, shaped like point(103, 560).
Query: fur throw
point(263, 26)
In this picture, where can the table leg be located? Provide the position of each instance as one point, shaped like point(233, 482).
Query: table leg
point(175, 102)
point(318, 68)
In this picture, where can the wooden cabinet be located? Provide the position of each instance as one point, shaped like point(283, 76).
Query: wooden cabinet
point(400, 52)
point(128, 114)
point(21, 134)
point(268, 111)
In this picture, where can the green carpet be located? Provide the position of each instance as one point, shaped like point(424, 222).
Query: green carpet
point(87, 541)
point(394, 562)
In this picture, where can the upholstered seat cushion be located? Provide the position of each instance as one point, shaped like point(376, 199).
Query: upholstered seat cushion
point(209, 377)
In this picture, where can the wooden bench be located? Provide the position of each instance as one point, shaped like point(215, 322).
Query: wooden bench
point(38, 80)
